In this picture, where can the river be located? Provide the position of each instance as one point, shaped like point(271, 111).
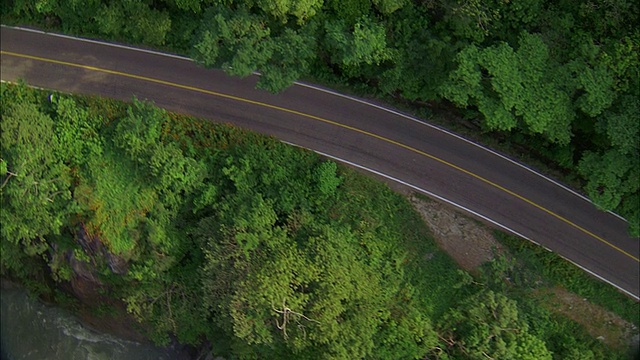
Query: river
point(31, 330)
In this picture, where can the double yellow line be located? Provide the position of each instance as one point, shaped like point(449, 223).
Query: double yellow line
point(309, 116)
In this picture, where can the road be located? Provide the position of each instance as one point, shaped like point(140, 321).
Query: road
point(476, 180)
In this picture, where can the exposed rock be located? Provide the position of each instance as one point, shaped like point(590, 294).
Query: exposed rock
point(98, 252)
point(116, 263)
point(85, 290)
point(82, 269)
point(85, 280)
point(91, 245)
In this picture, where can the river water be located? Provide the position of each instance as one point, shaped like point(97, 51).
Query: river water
point(30, 330)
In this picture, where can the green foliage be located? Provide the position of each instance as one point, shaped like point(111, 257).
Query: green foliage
point(261, 248)
point(620, 57)
point(598, 87)
point(139, 132)
point(237, 41)
point(74, 15)
point(264, 225)
point(3, 167)
point(349, 10)
point(611, 176)
point(261, 259)
point(35, 183)
point(421, 60)
point(525, 276)
point(328, 181)
point(282, 276)
point(473, 19)
point(139, 135)
point(283, 9)
point(291, 57)
point(77, 132)
point(133, 20)
point(553, 269)
point(522, 84)
point(619, 124)
point(548, 70)
point(489, 325)
point(389, 6)
point(193, 6)
point(229, 236)
point(110, 216)
point(362, 43)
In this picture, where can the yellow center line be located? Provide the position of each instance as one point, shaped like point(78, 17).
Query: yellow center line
point(364, 132)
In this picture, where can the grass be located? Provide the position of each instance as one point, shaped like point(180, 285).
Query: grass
point(554, 313)
point(433, 273)
point(555, 271)
point(430, 270)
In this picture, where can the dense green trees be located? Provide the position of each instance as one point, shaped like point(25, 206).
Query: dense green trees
point(527, 91)
point(487, 325)
point(558, 77)
point(613, 171)
point(240, 43)
point(277, 274)
point(35, 186)
point(237, 245)
point(233, 239)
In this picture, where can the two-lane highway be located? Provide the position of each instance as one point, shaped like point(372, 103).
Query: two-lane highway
point(437, 162)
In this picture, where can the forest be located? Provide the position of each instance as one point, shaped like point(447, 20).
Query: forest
point(556, 80)
point(221, 238)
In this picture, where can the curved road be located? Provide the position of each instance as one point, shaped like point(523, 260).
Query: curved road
point(385, 142)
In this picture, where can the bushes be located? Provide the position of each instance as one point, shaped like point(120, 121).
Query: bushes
point(562, 76)
point(554, 270)
point(227, 235)
point(255, 246)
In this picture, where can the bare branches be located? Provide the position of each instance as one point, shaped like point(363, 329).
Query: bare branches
point(7, 179)
point(287, 314)
point(487, 356)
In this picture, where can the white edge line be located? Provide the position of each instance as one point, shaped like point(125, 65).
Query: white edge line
point(104, 43)
point(504, 227)
point(31, 86)
point(417, 189)
point(636, 297)
point(328, 91)
point(438, 128)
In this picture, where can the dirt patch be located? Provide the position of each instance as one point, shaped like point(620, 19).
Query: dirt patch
point(600, 323)
point(471, 244)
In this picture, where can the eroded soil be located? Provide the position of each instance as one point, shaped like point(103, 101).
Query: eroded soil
point(471, 243)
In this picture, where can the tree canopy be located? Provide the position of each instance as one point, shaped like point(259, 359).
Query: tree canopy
point(558, 78)
point(211, 234)
point(236, 245)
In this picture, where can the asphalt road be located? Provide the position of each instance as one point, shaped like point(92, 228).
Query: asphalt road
point(428, 159)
